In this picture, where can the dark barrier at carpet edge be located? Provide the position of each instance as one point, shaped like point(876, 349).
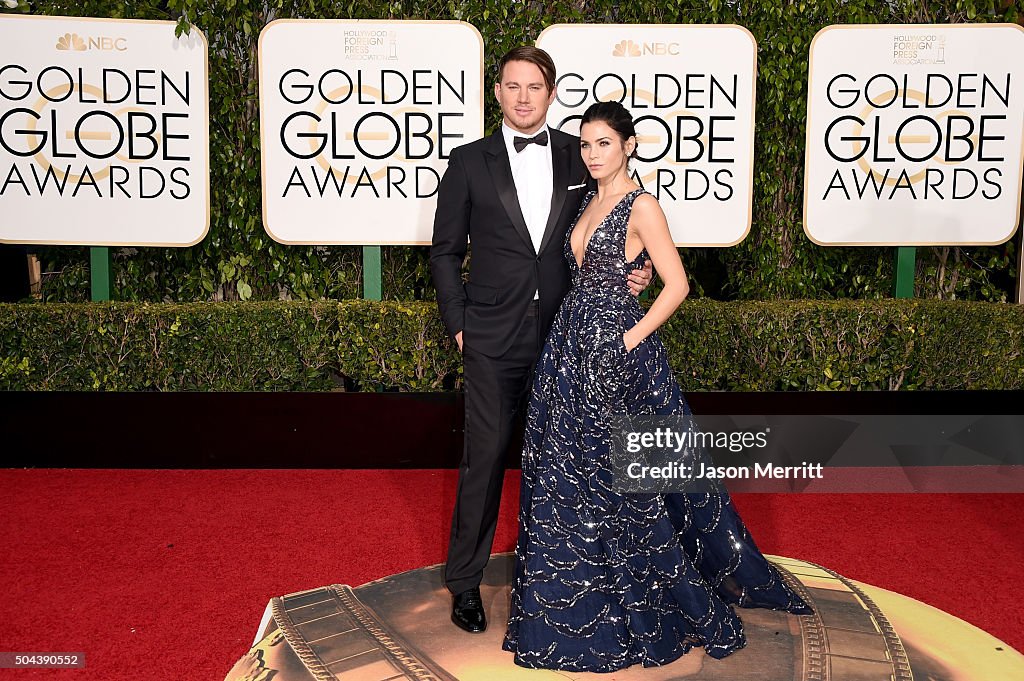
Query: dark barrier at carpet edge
point(341, 430)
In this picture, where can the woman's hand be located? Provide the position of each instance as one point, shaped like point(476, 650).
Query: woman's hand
point(630, 341)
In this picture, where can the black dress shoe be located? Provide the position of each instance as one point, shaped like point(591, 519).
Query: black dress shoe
point(468, 611)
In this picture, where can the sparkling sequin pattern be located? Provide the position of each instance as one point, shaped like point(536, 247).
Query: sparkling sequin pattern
point(603, 580)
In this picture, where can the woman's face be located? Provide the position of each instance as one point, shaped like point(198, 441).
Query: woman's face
point(603, 150)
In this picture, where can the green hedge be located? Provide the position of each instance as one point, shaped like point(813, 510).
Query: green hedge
point(362, 345)
point(238, 260)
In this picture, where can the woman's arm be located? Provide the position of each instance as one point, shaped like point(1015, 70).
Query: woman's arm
point(648, 222)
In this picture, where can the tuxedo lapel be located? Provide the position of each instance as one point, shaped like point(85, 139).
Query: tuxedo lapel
point(560, 163)
point(501, 174)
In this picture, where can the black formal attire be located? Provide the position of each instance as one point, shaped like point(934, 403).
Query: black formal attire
point(503, 325)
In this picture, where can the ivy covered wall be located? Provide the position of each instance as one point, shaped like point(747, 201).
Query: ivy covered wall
point(238, 260)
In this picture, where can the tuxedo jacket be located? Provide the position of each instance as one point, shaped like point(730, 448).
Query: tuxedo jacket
point(477, 199)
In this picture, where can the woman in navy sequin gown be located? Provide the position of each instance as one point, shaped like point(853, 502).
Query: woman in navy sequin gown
point(606, 580)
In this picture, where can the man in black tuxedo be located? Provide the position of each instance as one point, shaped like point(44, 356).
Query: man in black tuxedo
point(514, 193)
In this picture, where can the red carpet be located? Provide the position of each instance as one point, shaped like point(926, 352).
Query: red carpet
point(165, 574)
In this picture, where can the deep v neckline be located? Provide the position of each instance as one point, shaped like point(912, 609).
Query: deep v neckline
point(586, 246)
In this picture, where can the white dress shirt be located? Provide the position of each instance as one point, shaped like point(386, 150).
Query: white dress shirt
point(531, 172)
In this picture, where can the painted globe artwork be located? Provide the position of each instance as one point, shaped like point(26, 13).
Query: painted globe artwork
point(397, 628)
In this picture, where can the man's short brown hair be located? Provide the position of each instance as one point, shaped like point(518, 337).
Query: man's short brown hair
point(536, 56)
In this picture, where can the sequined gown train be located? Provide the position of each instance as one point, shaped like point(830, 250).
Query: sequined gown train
point(604, 581)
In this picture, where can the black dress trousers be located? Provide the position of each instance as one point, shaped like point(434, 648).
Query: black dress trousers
point(496, 392)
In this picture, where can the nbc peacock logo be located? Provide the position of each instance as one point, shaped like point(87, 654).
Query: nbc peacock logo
point(77, 43)
point(626, 48)
point(71, 41)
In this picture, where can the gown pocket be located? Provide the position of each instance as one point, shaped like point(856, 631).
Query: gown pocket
point(626, 323)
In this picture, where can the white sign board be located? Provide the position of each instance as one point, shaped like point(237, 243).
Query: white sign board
point(104, 136)
point(357, 121)
point(915, 134)
point(690, 89)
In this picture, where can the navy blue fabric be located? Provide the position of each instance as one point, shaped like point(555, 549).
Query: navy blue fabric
point(604, 580)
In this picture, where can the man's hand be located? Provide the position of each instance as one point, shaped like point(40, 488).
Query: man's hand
point(638, 280)
point(458, 339)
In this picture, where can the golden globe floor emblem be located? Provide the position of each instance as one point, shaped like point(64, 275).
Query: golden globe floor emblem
point(398, 628)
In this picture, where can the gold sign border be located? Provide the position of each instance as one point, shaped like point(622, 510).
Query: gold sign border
point(206, 127)
point(753, 113)
point(263, 126)
point(807, 138)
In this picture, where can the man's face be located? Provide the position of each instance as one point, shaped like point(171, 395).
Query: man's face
point(523, 96)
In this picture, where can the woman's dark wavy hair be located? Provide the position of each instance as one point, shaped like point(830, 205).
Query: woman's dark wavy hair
point(615, 116)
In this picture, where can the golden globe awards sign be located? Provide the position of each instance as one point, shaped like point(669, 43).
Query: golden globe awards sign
point(103, 132)
point(915, 134)
point(691, 92)
point(358, 119)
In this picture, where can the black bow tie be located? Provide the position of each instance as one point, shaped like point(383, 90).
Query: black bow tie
point(521, 143)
